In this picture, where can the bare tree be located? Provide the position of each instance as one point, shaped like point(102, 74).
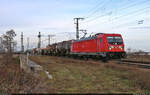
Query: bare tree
point(8, 40)
point(8, 43)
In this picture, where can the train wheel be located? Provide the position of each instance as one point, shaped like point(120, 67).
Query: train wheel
point(85, 58)
point(124, 55)
point(105, 59)
point(75, 56)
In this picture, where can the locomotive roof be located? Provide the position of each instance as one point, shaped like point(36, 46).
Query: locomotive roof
point(89, 38)
point(93, 37)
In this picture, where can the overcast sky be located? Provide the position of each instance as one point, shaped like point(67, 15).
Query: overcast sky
point(56, 17)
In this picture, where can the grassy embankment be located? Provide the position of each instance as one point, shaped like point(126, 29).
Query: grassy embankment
point(70, 75)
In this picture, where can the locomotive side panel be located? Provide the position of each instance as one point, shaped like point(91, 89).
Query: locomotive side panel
point(100, 43)
point(86, 46)
point(91, 46)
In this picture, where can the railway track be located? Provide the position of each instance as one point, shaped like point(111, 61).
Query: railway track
point(142, 64)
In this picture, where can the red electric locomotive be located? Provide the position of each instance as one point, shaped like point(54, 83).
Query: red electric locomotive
point(101, 45)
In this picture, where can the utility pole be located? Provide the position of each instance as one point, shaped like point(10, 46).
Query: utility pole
point(27, 43)
point(39, 42)
point(22, 47)
point(49, 37)
point(77, 26)
point(39, 37)
point(1, 45)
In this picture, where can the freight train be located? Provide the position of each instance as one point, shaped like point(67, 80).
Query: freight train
point(100, 45)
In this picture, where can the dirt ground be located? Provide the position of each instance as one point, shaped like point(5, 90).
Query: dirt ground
point(79, 76)
point(15, 80)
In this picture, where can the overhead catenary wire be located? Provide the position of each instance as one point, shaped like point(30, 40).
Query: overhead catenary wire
point(120, 25)
point(97, 8)
point(97, 4)
point(108, 13)
point(126, 15)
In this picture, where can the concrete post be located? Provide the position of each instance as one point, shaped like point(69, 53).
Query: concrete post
point(27, 57)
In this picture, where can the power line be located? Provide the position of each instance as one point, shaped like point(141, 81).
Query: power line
point(96, 8)
point(131, 13)
point(95, 5)
point(134, 4)
point(110, 12)
point(137, 11)
point(128, 22)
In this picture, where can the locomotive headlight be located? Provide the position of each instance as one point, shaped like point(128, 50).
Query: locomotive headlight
point(121, 47)
point(110, 47)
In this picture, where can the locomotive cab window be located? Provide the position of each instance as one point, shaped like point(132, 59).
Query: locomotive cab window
point(114, 40)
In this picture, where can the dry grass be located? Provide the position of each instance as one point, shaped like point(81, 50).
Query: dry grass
point(138, 77)
point(78, 76)
point(15, 80)
point(141, 78)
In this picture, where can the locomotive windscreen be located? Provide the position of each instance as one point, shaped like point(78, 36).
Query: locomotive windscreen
point(114, 40)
